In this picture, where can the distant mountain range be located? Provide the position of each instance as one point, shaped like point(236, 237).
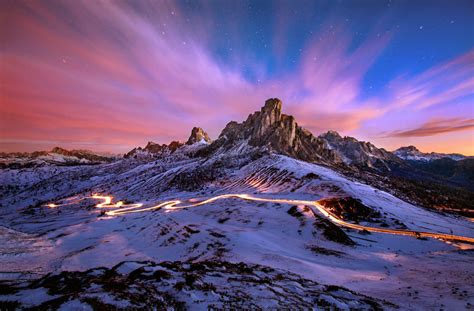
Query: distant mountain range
point(57, 156)
point(413, 154)
point(267, 128)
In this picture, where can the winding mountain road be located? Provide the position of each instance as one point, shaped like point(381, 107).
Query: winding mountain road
point(120, 208)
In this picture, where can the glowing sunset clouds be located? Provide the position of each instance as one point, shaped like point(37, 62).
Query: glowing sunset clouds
point(110, 75)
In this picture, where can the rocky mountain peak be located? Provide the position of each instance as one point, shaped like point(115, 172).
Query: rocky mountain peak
point(331, 135)
point(407, 149)
point(197, 135)
point(59, 150)
point(271, 129)
point(272, 110)
point(412, 153)
point(268, 129)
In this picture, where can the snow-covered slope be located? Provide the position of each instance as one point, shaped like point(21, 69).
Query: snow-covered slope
point(75, 235)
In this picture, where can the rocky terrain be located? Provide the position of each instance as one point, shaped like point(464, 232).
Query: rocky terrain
point(175, 285)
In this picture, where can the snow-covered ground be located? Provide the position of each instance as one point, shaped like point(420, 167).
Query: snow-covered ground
point(74, 235)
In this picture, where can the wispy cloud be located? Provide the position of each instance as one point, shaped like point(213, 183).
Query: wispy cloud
point(447, 83)
point(435, 127)
point(118, 73)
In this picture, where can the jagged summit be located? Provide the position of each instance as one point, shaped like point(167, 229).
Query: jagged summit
point(271, 129)
point(331, 135)
point(198, 135)
point(276, 131)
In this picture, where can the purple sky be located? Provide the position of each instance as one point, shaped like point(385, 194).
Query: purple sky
point(112, 75)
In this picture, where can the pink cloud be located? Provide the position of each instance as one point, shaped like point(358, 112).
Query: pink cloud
point(97, 72)
point(435, 127)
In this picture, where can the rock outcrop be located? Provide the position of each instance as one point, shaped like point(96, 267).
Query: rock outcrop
point(154, 150)
point(198, 135)
point(278, 132)
point(271, 129)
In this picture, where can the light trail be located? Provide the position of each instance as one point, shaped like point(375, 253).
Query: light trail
point(120, 208)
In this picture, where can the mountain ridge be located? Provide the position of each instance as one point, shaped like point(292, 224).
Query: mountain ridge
point(412, 153)
point(270, 129)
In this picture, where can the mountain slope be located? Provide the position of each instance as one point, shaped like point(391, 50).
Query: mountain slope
point(75, 235)
point(284, 229)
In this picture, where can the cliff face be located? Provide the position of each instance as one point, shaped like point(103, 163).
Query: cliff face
point(278, 132)
point(270, 128)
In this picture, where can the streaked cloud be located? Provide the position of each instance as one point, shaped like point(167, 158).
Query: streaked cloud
point(117, 73)
point(447, 83)
point(435, 127)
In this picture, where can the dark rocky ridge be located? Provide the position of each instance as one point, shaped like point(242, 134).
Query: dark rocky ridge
point(271, 129)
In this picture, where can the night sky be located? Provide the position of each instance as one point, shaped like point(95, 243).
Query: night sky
point(112, 75)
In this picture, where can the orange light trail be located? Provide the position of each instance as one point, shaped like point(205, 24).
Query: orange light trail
point(120, 208)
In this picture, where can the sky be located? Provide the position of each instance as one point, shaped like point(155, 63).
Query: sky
point(112, 75)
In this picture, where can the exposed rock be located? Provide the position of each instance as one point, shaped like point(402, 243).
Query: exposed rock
point(154, 150)
point(182, 285)
point(198, 135)
point(154, 147)
point(350, 209)
point(281, 133)
point(174, 145)
point(271, 130)
point(278, 132)
point(360, 153)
